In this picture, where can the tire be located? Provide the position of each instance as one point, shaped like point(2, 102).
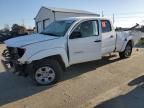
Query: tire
point(127, 52)
point(46, 72)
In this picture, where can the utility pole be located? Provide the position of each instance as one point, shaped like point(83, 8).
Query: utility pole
point(102, 14)
point(23, 23)
point(113, 18)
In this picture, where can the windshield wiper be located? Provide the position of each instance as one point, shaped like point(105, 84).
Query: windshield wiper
point(51, 34)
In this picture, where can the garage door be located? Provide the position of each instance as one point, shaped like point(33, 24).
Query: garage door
point(46, 23)
point(39, 26)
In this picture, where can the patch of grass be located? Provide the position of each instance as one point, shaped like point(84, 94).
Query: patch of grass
point(141, 42)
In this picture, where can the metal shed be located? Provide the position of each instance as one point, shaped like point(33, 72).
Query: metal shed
point(47, 15)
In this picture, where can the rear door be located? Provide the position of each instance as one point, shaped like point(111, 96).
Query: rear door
point(87, 46)
point(108, 37)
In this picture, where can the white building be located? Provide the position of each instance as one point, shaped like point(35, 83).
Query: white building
point(47, 15)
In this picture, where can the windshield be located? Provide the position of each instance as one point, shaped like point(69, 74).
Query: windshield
point(57, 28)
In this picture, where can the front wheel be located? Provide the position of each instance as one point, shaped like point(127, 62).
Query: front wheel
point(47, 72)
point(127, 52)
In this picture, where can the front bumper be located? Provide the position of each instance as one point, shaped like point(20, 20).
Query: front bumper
point(7, 66)
point(11, 63)
point(12, 66)
point(15, 67)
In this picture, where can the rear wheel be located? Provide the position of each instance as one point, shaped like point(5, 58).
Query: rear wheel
point(47, 72)
point(127, 52)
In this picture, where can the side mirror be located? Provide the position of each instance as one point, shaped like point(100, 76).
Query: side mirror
point(75, 35)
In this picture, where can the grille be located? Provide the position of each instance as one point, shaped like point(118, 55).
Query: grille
point(13, 53)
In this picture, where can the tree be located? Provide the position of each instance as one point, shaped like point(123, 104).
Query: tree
point(1, 31)
point(17, 29)
point(6, 29)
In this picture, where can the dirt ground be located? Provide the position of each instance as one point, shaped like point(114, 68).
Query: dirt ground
point(83, 85)
point(130, 95)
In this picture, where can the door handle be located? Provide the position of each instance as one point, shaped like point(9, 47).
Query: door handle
point(97, 41)
point(111, 36)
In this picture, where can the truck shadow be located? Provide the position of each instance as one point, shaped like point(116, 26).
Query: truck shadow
point(14, 88)
point(78, 69)
point(133, 99)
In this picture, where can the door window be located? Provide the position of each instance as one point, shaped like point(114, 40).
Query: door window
point(106, 26)
point(87, 29)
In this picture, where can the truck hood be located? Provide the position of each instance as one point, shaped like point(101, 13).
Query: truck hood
point(28, 39)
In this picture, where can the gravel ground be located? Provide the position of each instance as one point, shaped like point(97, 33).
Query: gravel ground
point(80, 83)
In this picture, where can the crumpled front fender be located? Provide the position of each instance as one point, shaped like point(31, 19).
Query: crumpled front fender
point(47, 53)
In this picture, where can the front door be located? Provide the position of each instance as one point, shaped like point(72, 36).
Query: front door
point(85, 42)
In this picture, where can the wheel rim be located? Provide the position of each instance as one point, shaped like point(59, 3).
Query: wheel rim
point(128, 51)
point(45, 75)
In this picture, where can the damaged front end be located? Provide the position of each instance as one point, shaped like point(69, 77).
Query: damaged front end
point(11, 63)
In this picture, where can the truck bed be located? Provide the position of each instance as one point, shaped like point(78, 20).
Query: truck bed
point(122, 36)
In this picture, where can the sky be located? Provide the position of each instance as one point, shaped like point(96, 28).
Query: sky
point(126, 12)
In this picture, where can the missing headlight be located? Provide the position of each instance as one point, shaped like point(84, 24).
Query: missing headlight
point(20, 52)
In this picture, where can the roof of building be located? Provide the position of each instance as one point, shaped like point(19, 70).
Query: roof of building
point(68, 10)
point(83, 17)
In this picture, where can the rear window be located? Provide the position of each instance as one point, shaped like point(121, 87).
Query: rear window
point(106, 26)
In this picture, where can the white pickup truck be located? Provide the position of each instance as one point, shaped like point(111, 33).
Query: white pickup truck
point(65, 42)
